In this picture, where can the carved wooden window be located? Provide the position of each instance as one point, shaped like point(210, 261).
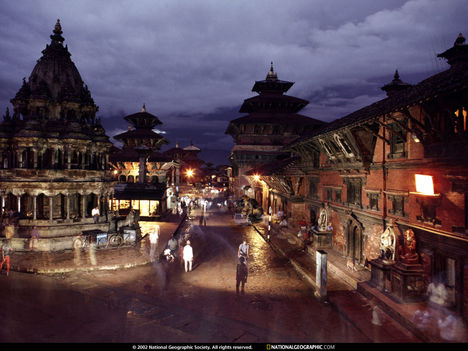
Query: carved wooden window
point(329, 194)
point(397, 143)
point(313, 186)
point(338, 195)
point(354, 190)
point(257, 129)
point(373, 201)
point(343, 145)
point(328, 150)
point(459, 121)
point(398, 205)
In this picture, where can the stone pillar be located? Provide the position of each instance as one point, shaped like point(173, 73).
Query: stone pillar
point(35, 151)
point(68, 160)
point(34, 207)
point(51, 208)
point(83, 206)
point(20, 158)
point(68, 201)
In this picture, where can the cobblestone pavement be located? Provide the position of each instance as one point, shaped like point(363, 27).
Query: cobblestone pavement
point(159, 303)
point(154, 303)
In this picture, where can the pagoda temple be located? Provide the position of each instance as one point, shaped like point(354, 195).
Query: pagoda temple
point(272, 121)
point(54, 154)
point(147, 179)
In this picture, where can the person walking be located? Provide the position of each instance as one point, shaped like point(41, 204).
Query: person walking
point(241, 275)
point(154, 237)
point(6, 251)
point(243, 250)
point(34, 238)
point(188, 256)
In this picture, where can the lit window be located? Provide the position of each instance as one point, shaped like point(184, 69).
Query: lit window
point(424, 184)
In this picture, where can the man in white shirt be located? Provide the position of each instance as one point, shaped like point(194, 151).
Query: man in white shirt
point(188, 256)
point(243, 250)
point(95, 214)
point(154, 237)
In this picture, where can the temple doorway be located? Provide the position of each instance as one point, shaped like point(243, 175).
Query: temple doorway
point(354, 241)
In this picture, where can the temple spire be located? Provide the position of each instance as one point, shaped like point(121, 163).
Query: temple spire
point(143, 109)
point(271, 74)
point(395, 85)
point(57, 36)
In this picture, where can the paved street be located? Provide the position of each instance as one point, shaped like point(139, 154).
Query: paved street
point(155, 303)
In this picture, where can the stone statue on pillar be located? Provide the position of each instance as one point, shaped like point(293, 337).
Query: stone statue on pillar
point(387, 245)
point(323, 219)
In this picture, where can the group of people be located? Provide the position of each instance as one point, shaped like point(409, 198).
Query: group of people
point(185, 253)
point(170, 252)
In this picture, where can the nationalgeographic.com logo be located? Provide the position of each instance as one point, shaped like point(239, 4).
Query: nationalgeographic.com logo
point(270, 347)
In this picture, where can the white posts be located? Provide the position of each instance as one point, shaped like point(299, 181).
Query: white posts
point(321, 274)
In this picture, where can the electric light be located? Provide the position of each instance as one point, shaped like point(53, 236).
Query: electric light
point(256, 177)
point(424, 184)
point(189, 172)
point(415, 138)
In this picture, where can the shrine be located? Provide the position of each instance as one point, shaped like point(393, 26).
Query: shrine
point(54, 154)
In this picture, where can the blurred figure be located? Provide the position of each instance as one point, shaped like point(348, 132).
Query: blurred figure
point(154, 237)
point(34, 238)
point(452, 328)
point(6, 251)
point(188, 256)
point(437, 293)
point(92, 253)
point(422, 319)
point(241, 275)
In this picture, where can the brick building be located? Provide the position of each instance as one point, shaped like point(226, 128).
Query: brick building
point(398, 166)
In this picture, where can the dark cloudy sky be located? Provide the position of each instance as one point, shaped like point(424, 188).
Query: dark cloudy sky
point(194, 62)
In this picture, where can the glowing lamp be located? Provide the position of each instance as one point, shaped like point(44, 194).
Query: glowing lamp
point(256, 177)
point(189, 172)
point(424, 184)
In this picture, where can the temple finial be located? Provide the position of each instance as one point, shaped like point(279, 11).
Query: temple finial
point(143, 109)
point(57, 36)
point(460, 40)
point(397, 75)
point(271, 74)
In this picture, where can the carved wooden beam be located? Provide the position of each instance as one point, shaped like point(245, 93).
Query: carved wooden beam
point(375, 134)
point(409, 130)
point(388, 126)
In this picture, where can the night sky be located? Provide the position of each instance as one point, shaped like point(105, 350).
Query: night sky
point(194, 62)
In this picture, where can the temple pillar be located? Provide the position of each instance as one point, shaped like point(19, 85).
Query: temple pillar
point(83, 206)
point(68, 160)
point(35, 151)
point(68, 201)
point(34, 207)
point(51, 208)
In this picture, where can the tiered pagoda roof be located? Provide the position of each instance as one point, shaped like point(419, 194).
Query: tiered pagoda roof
point(54, 102)
point(141, 136)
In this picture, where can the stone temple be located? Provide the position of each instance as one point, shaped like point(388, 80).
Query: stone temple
point(54, 155)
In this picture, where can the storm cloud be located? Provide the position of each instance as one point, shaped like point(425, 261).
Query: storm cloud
point(194, 62)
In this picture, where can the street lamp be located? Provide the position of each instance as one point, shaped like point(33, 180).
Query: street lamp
point(189, 173)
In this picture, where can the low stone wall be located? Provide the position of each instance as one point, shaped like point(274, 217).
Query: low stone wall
point(44, 244)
